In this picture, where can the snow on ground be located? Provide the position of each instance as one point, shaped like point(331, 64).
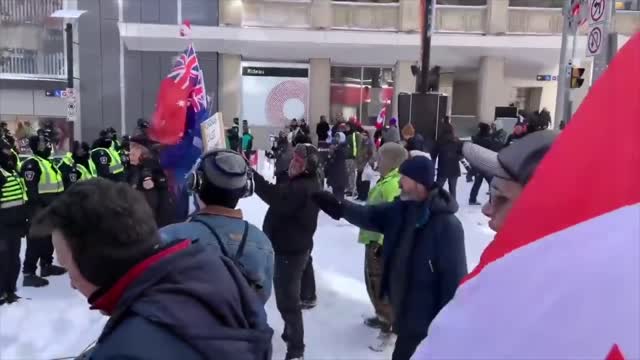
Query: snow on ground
point(55, 322)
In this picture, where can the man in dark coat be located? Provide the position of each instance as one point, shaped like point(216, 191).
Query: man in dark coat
point(448, 153)
point(290, 224)
point(322, 130)
point(165, 302)
point(147, 176)
point(423, 251)
point(336, 168)
point(484, 139)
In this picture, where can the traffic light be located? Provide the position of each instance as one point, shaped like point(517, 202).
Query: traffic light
point(576, 77)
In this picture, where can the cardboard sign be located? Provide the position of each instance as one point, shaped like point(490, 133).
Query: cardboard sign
point(213, 134)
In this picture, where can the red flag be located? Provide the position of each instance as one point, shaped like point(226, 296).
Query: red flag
point(168, 121)
point(615, 353)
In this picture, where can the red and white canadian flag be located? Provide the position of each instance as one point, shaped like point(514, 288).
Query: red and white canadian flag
point(561, 280)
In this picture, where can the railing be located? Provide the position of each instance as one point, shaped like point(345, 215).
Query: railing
point(534, 20)
point(470, 19)
point(20, 62)
point(366, 16)
point(27, 11)
point(276, 13)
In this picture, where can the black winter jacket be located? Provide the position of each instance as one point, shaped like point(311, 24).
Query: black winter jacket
point(322, 130)
point(423, 253)
point(448, 154)
point(159, 198)
point(192, 304)
point(292, 218)
point(336, 170)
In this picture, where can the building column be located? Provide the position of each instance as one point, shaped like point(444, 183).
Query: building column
point(319, 91)
point(321, 14)
point(230, 12)
point(497, 16)
point(491, 92)
point(446, 87)
point(404, 82)
point(230, 87)
point(409, 13)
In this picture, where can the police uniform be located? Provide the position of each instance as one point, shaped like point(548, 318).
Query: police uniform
point(13, 226)
point(43, 184)
point(72, 171)
point(106, 163)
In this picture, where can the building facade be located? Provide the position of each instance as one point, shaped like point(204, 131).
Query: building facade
point(268, 61)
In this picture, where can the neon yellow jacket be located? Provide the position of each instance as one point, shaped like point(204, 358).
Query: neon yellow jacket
point(386, 190)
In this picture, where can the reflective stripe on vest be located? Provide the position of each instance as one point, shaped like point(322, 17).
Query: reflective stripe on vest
point(84, 173)
point(50, 177)
point(115, 165)
point(13, 193)
point(354, 145)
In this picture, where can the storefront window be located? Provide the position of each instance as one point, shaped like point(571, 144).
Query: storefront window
point(361, 92)
point(537, 3)
point(24, 126)
point(629, 5)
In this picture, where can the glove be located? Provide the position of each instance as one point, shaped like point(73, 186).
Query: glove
point(329, 204)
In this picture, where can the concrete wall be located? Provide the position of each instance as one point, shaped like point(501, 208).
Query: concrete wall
point(30, 102)
point(99, 65)
point(319, 91)
point(230, 87)
point(101, 93)
point(404, 81)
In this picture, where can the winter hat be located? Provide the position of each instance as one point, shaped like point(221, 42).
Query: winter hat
point(224, 169)
point(391, 156)
point(415, 143)
point(419, 169)
point(393, 121)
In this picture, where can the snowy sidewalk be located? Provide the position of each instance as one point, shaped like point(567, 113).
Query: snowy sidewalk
point(57, 323)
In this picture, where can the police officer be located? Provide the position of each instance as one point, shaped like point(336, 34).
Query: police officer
point(105, 160)
point(44, 183)
point(74, 166)
point(13, 223)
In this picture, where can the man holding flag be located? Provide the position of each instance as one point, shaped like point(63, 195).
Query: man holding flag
point(181, 108)
point(566, 287)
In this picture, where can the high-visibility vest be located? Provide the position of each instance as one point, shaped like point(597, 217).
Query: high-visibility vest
point(84, 173)
point(14, 192)
point(354, 145)
point(18, 162)
point(115, 164)
point(50, 177)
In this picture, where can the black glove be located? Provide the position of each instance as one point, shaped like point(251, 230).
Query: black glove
point(329, 204)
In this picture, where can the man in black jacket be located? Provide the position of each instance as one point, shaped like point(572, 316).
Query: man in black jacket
point(484, 139)
point(423, 251)
point(181, 300)
point(290, 224)
point(322, 130)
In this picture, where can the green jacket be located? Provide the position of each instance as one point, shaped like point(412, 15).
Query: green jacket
point(386, 190)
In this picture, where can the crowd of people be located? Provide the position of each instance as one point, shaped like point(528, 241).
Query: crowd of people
point(109, 212)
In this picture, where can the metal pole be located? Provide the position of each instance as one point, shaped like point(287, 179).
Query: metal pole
point(564, 69)
point(68, 29)
point(426, 46)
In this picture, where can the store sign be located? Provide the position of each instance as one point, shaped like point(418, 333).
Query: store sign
point(55, 93)
point(547, 78)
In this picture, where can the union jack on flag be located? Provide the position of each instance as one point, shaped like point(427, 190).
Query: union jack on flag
point(198, 98)
point(186, 70)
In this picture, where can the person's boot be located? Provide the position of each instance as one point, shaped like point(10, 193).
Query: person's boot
point(374, 322)
point(3, 299)
point(474, 202)
point(385, 340)
point(12, 297)
point(51, 270)
point(308, 304)
point(33, 280)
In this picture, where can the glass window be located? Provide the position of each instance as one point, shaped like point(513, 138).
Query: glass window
point(361, 92)
point(628, 5)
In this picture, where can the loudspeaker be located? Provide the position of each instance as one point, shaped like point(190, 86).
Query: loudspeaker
point(424, 111)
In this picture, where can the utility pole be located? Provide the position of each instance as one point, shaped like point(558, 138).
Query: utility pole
point(564, 68)
point(68, 29)
point(427, 29)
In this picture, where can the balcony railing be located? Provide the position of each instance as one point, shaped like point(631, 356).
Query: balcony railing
point(366, 16)
point(28, 11)
point(469, 19)
point(535, 20)
point(276, 13)
point(20, 63)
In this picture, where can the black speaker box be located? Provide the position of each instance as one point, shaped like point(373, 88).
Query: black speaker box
point(424, 111)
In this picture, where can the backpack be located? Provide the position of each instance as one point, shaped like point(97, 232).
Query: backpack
point(252, 279)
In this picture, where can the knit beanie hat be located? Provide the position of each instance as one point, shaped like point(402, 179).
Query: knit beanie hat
point(419, 169)
point(391, 156)
point(224, 169)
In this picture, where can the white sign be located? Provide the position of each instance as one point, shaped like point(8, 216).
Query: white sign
point(71, 111)
point(213, 135)
point(595, 40)
point(599, 11)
